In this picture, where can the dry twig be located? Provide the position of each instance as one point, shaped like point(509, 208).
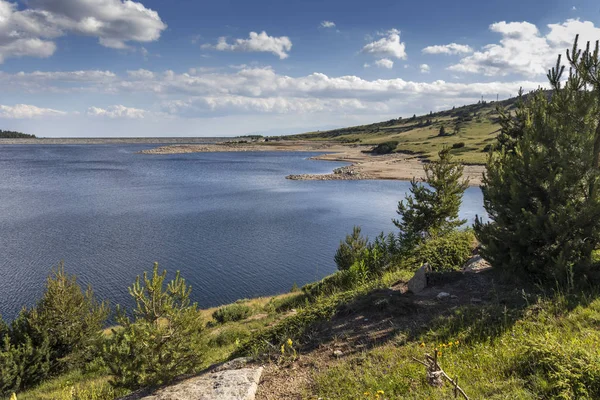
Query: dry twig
point(435, 375)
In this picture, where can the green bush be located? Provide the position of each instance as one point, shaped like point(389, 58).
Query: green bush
point(232, 312)
point(164, 340)
point(350, 249)
point(448, 252)
point(229, 336)
point(386, 147)
point(279, 305)
point(458, 145)
point(62, 331)
point(330, 284)
point(72, 318)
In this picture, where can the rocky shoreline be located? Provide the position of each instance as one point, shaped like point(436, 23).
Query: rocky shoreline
point(363, 164)
point(349, 173)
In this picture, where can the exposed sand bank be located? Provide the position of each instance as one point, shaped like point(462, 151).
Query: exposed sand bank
point(363, 165)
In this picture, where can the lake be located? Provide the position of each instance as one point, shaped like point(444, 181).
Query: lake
point(230, 222)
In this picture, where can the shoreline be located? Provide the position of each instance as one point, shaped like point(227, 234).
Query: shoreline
point(363, 166)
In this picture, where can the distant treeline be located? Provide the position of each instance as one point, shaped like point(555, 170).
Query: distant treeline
point(14, 135)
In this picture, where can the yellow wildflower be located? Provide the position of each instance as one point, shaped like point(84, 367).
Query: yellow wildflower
point(366, 393)
point(289, 342)
point(456, 343)
point(13, 397)
point(422, 345)
point(380, 392)
point(282, 349)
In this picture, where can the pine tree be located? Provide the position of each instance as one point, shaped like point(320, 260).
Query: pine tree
point(442, 131)
point(350, 249)
point(164, 340)
point(71, 318)
point(433, 209)
point(541, 185)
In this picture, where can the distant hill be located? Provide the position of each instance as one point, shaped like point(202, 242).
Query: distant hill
point(15, 135)
point(468, 130)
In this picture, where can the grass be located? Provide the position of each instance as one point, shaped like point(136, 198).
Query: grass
point(540, 347)
point(476, 127)
point(222, 339)
point(547, 350)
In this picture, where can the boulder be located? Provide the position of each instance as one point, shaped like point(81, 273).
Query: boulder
point(443, 296)
point(475, 264)
point(236, 384)
point(419, 281)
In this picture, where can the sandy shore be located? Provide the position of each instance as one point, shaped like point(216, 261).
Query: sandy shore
point(362, 165)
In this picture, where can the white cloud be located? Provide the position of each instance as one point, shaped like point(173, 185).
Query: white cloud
point(141, 74)
point(31, 31)
point(424, 68)
point(67, 76)
point(328, 24)
point(256, 42)
point(253, 83)
point(524, 50)
point(117, 111)
point(452, 48)
point(26, 111)
point(276, 105)
point(384, 63)
point(388, 46)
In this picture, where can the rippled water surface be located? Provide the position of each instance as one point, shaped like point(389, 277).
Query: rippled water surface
point(231, 222)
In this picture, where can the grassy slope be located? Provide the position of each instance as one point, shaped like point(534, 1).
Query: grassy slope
point(221, 343)
point(546, 348)
point(549, 351)
point(478, 127)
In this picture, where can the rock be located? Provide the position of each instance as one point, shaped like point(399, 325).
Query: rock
point(475, 264)
point(454, 297)
point(443, 296)
point(419, 281)
point(237, 384)
point(236, 363)
point(475, 300)
point(338, 353)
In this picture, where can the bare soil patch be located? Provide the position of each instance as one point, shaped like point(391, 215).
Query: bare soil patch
point(377, 319)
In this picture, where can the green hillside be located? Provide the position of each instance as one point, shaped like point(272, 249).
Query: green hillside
point(468, 129)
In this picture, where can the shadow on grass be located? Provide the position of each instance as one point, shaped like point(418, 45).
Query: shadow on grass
point(479, 307)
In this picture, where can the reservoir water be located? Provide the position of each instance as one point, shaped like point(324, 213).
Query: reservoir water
point(230, 222)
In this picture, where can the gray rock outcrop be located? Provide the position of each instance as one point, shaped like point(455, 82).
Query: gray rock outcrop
point(419, 281)
point(234, 380)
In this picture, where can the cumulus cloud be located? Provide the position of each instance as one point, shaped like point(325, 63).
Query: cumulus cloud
point(524, 50)
point(255, 91)
point(31, 31)
point(256, 42)
point(328, 24)
point(424, 68)
point(117, 111)
point(384, 63)
point(388, 46)
point(268, 105)
point(452, 48)
point(140, 74)
point(26, 111)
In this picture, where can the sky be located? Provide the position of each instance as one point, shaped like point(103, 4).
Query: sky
point(172, 68)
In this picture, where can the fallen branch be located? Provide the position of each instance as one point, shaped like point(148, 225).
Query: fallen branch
point(435, 373)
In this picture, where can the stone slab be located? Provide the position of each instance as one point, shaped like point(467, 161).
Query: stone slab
point(237, 384)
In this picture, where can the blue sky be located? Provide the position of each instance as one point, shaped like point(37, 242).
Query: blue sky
point(190, 68)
